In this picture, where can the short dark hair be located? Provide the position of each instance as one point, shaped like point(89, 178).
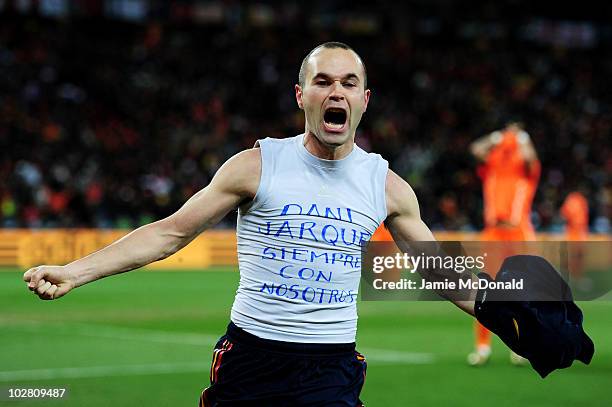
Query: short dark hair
point(331, 45)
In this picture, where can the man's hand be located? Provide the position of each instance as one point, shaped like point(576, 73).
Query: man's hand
point(49, 282)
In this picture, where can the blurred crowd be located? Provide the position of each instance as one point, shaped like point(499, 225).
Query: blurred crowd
point(106, 123)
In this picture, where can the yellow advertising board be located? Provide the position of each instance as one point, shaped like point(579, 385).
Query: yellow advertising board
point(27, 248)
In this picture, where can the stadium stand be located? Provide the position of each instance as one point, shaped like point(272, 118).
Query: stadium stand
point(111, 121)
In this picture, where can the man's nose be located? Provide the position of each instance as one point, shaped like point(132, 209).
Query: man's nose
point(336, 92)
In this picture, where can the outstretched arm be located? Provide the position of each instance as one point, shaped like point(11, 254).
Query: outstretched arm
point(405, 224)
point(236, 181)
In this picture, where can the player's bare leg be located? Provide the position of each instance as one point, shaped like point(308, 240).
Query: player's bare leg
point(482, 351)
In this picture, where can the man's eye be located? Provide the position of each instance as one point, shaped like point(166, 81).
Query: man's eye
point(321, 83)
point(350, 85)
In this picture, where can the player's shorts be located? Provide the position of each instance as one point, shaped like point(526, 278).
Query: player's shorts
point(250, 371)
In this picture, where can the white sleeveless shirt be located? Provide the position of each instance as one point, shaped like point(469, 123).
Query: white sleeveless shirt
point(299, 242)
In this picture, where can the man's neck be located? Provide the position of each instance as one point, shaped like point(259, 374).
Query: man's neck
point(315, 147)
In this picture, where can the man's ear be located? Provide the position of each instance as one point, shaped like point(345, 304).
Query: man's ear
point(298, 96)
point(367, 94)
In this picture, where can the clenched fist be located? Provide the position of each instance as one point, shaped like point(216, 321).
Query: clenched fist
point(49, 282)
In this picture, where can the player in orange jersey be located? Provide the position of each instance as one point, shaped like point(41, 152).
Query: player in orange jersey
point(575, 211)
point(510, 171)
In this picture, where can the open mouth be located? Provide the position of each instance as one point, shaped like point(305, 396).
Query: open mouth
point(334, 118)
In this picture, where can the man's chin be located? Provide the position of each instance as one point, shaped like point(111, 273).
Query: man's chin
point(334, 139)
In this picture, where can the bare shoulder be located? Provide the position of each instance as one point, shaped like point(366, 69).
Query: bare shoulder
point(241, 173)
point(245, 160)
point(401, 199)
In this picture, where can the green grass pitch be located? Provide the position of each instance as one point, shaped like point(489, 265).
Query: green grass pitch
point(145, 339)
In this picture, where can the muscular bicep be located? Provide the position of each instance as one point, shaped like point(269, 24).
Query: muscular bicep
point(236, 181)
point(404, 217)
